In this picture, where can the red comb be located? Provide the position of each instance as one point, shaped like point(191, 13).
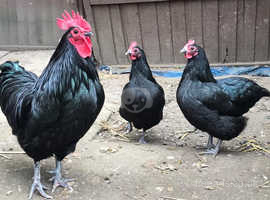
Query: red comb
point(72, 21)
point(133, 44)
point(191, 42)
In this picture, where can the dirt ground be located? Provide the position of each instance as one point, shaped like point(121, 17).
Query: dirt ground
point(110, 165)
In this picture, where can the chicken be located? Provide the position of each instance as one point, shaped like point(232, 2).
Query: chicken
point(142, 99)
point(215, 107)
point(51, 113)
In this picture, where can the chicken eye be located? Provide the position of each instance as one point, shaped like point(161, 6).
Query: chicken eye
point(75, 31)
point(192, 48)
point(136, 51)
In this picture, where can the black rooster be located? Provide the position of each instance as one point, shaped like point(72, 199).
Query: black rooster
point(49, 114)
point(215, 107)
point(142, 98)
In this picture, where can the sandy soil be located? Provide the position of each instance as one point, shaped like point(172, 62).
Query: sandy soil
point(110, 165)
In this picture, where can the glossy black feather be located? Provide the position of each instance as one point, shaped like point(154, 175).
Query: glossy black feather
point(243, 93)
point(146, 96)
point(15, 99)
point(50, 113)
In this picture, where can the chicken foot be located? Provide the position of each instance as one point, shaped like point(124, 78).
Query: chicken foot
point(129, 129)
point(58, 180)
point(214, 151)
point(37, 184)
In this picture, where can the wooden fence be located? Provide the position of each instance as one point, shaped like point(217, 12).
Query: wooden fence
point(31, 23)
point(230, 30)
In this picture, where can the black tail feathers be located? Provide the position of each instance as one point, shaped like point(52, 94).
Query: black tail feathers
point(266, 92)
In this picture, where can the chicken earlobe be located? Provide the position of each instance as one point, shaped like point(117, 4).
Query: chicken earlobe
point(37, 184)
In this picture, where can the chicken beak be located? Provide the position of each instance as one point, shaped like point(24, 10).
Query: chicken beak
point(128, 52)
point(183, 50)
point(88, 34)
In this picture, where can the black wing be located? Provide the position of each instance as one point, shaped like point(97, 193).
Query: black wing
point(244, 93)
point(213, 97)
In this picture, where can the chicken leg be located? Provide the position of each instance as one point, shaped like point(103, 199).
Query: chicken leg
point(37, 184)
point(210, 144)
point(129, 127)
point(214, 151)
point(58, 180)
point(141, 140)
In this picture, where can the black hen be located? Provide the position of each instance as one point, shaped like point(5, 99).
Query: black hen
point(50, 113)
point(215, 107)
point(142, 98)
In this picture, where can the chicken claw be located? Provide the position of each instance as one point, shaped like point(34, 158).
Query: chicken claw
point(62, 182)
point(37, 184)
point(58, 180)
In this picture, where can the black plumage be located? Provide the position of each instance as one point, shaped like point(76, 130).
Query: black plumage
point(214, 106)
point(142, 98)
point(243, 93)
point(50, 113)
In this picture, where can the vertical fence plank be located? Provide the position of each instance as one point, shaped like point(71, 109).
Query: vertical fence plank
point(45, 28)
point(4, 22)
point(165, 34)
point(210, 29)
point(32, 21)
point(227, 30)
point(105, 35)
point(130, 19)
point(13, 22)
point(90, 18)
point(56, 11)
point(262, 30)
point(178, 29)
point(193, 12)
point(240, 28)
point(38, 21)
point(119, 41)
point(80, 7)
point(246, 30)
point(22, 33)
point(149, 29)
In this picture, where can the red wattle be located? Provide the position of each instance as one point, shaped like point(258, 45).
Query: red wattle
point(188, 55)
point(132, 57)
point(83, 46)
